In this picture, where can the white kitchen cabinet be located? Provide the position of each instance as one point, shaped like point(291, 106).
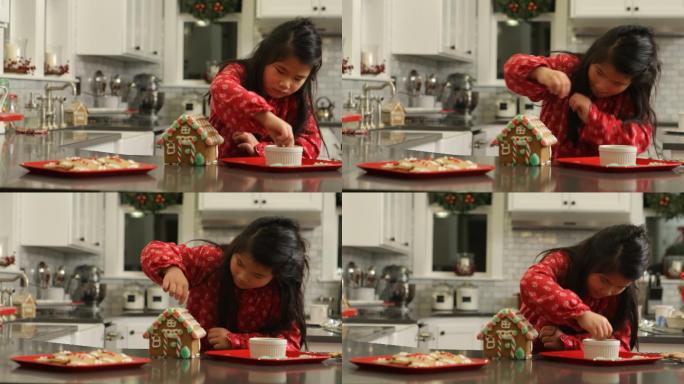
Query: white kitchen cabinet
point(127, 333)
point(260, 201)
point(454, 332)
point(377, 221)
point(87, 335)
point(366, 26)
point(74, 222)
point(612, 9)
point(441, 29)
point(299, 8)
point(133, 29)
point(569, 202)
point(4, 11)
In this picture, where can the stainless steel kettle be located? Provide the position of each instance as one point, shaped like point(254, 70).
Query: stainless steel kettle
point(84, 285)
point(324, 109)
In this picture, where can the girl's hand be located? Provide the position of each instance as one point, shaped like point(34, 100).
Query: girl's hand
point(598, 326)
point(557, 82)
point(279, 130)
point(218, 338)
point(580, 104)
point(246, 142)
point(176, 284)
point(550, 337)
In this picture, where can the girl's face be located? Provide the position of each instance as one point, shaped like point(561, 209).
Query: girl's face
point(285, 77)
point(600, 285)
point(606, 81)
point(247, 273)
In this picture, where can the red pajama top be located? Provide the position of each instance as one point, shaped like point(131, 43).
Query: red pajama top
point(202, 265)
point(603, 125)
point(545, 302)
point(233, 108)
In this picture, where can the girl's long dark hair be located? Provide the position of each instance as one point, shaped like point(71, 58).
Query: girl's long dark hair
point(621, 248)
point(632, 50)
point(274, 242)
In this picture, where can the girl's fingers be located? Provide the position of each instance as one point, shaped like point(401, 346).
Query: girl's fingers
point(165, 285)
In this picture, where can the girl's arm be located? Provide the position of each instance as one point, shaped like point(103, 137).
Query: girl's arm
point(309, 139)
point(518, 68)
point(539, 290)
point(292, 335)
point(604, 128)
point(196, 262)
point(235, 105)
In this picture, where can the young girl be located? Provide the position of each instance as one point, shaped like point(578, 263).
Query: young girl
point(587, 290)
point(250, 288)
point(601, 97)
point(267, 98)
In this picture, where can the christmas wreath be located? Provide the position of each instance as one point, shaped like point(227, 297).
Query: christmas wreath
point(668, 205)
point(209, 10)
point(151, 202)
point(460, 202)
point(523, 9)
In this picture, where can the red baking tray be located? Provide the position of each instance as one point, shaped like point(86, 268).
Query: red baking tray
point(577, 357)
point(377, 168)
point(39, 168)
point(594, 164)
point(31, 361)
point(242, 356)
point(370, 362)
point(259, 164)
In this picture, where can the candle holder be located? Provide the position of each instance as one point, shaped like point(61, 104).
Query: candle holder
point(15, 57)
point(465, 264)
point(54, 60)
point(369, 61)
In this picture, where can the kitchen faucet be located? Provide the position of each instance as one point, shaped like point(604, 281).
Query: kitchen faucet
point(5, 293)
point(48, 112)
point(366, 108)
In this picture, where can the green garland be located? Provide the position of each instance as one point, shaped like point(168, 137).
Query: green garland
point(151, 202)
point(460, 202)
point(209, 10)
point(667, 205)
point(523, 9)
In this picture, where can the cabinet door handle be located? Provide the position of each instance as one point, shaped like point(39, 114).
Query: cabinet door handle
point(572, 203)
point(263, 201)
point(256, 201)
point(155, 52)
point(323, 8)
point(406, 244)
point(97, 244)
point(453, 47)
point(392, 239)
point(81, 239)
point(137, 48)
point(629, 8)
point(315, 8)
point(636, 8)
point(470, 52)
point(565, 203)
point(442, 333)
point(131, 333)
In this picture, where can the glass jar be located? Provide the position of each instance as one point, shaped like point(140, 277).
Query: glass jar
point(465, 264)
point(673, 261)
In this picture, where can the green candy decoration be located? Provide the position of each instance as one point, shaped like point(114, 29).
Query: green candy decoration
point(519, 353)
point(185, 352)
point(534, 160)
point(199, 159)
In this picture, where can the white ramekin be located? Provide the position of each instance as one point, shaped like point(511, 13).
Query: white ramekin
point(617, 155)
point(270, 347)
point(601, 349)
point(285, 156)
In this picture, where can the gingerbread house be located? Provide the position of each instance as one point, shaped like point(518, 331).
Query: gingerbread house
point(508, 335)
point(26, 305)
point(175, 333)
point(76, 115)
point(525, 140)
point(393, 113)
point(191, 139)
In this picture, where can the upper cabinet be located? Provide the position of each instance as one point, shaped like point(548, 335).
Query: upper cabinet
point(74, 222)
point(260, 201)
point(575, 202)
point(134, 29)
point(442, 29)
point(366, 39)
point(612, 9)
point(299, 8)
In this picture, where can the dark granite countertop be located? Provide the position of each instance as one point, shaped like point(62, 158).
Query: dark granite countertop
point(16, 149)
point(460, 313)
point(384, 145)
point(201, 370)
point(36, 332)
point(536, 370)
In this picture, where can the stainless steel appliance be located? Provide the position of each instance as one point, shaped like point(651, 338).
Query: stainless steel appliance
point(395, 287)
point(458, 96)
point(84, 285)
point(144, 97)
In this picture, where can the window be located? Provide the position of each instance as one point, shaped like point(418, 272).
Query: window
point(207, 45)
point(140, 229)
point(455, 234)
point(533, 38)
